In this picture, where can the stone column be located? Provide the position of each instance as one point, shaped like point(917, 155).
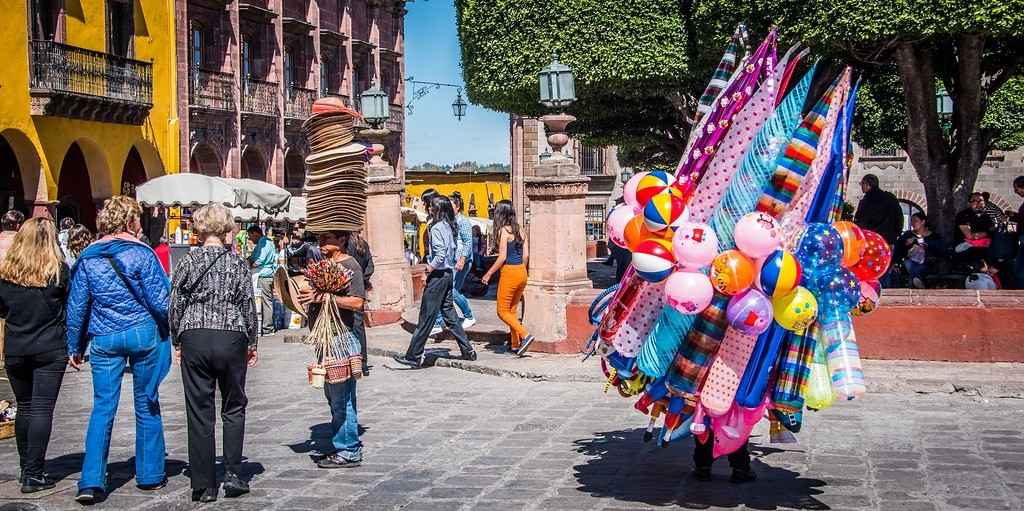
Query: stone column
point(558, 265)
point(391, 282)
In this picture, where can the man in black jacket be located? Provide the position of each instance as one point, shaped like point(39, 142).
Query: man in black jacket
point(879, 211)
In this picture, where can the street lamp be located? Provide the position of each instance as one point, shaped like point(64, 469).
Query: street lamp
point(557, 91)
point(459, 106)
point(374, 107)
point(625, 175)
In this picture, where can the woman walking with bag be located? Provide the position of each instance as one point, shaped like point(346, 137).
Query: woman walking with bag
point(437, 296)
point(214, 329)
point(513, 256)
point(117, 310)
point(33, 293)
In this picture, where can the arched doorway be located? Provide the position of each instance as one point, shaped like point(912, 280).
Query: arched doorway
point(133, 174)
point(294, 170)
point(12, 190)
point(252, 165)
point(909, 208)
point(204, 161)
point(74, 189)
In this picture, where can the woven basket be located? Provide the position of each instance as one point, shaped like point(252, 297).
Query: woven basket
point(6, 430)
point(338, 370)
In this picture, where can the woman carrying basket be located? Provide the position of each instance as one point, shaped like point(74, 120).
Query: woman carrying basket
point(347, 449)
point(214, 329)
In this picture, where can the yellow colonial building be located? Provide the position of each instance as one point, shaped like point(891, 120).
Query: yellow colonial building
point(87, 102)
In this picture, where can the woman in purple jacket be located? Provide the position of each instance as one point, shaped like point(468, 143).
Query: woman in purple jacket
point(117, 310)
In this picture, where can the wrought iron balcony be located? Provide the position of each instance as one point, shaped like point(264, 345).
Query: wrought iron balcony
point(74, 82)
point(298, 103)
point(211, 89)
point(259, 97)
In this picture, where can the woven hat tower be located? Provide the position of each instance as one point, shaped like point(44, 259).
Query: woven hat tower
point(336, 187)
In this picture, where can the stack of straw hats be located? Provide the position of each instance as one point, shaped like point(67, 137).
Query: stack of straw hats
point(336, 188)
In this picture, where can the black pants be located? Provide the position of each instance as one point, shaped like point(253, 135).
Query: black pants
point(437, 297)
point(703, 454)
point(212, 359)
point(35, 380)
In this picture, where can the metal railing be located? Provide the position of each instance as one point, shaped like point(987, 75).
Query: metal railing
point(68, 69)
point(591, 161)
point(259, 97)
point(211, 89)
point(298, 104)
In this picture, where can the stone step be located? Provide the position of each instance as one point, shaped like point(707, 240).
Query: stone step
point(488, 329)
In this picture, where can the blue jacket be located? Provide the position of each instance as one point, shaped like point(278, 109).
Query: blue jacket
point(99, 302)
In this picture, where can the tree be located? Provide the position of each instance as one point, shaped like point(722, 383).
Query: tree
point(972, 50)
point(639, 64)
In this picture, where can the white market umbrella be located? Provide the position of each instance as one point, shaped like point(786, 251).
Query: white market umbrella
point(260, 194)
point(296, 212)
point(192, 190)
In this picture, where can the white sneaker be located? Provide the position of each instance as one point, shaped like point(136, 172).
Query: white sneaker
point(436, 330)
point(468, 323)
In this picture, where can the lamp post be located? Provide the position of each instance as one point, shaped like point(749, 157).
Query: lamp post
point(373, 103)
point(557, 91)
point(459, 106)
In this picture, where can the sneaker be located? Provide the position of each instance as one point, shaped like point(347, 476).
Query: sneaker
point(336, 461)
point(205, 495)
point(524, 346)
point(152, 486)
point(471, 356)
point(234, 485)
point(88, 496)
point(32, 484)
point(742, 475)
point(702, 474)
point(468, 323)
point(436, 330)
point(401, 359)
point(917, 283)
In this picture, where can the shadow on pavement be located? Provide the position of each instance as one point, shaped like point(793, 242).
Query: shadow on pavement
point(625, 468)
point(319, 442)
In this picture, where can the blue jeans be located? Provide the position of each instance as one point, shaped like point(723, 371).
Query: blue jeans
point(344, 419)
point(150, 359)
point(914, 269)
point(460, 300)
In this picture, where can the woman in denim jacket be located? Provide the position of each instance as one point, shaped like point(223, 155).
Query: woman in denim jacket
point(117, 310)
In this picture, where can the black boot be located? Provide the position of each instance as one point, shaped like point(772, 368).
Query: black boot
point(205, 495)
point(234, 485)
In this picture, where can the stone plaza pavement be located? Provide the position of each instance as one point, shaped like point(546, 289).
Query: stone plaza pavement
point(443, 438)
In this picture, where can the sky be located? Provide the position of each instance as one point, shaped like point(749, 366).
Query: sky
point(432, 134)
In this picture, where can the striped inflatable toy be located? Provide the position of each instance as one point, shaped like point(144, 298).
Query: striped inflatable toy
point(663, 211)
point(778, 274)
point(653, 260)
point(654, 183)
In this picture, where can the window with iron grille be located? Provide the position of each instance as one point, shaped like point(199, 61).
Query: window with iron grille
point(591, 161)
point(594, 217)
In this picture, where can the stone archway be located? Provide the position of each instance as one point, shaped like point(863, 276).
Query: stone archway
point(74, 191)
point(133, 174)
point(204, 161)
point(253, 165)
point(294, 170)
point(23, 182)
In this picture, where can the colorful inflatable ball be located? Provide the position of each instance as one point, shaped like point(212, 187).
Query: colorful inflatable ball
point(653, 260)
point(655, 182)
point(629, 191)
point(778, 274)
point(636, 232)
point(874, 261)
point(688, 292)
point(757, 235)
point(749, 312)
point(616, 224)
point(853, 242)
point(870, 293)
point(797, 310)
point(819, 247)
point(695, 245)
point(732, 272)
point(663, 211)
point(837, 292)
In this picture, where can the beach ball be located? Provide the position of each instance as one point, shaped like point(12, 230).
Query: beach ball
point(797, 310)
point(653, 260)
point(663, 211)
point(820, 247)
point(870, 293)
point(757, 235)
point(695, 245)
point(837, 292)
point(629, 191)
point(749, 312)
point(732, 272)
point(655, 182)
point(874, 261)
point(688, 292)
point(853, 242)
point(616, 224)
point(636, 232)
point(778, 273)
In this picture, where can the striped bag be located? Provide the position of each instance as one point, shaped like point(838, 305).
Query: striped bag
point(793, 373)
point(694, 356)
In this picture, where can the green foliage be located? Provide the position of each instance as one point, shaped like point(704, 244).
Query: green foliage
point(880, 121)
point(1005, 115)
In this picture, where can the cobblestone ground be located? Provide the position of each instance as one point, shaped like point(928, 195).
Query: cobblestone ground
point(442, 439)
